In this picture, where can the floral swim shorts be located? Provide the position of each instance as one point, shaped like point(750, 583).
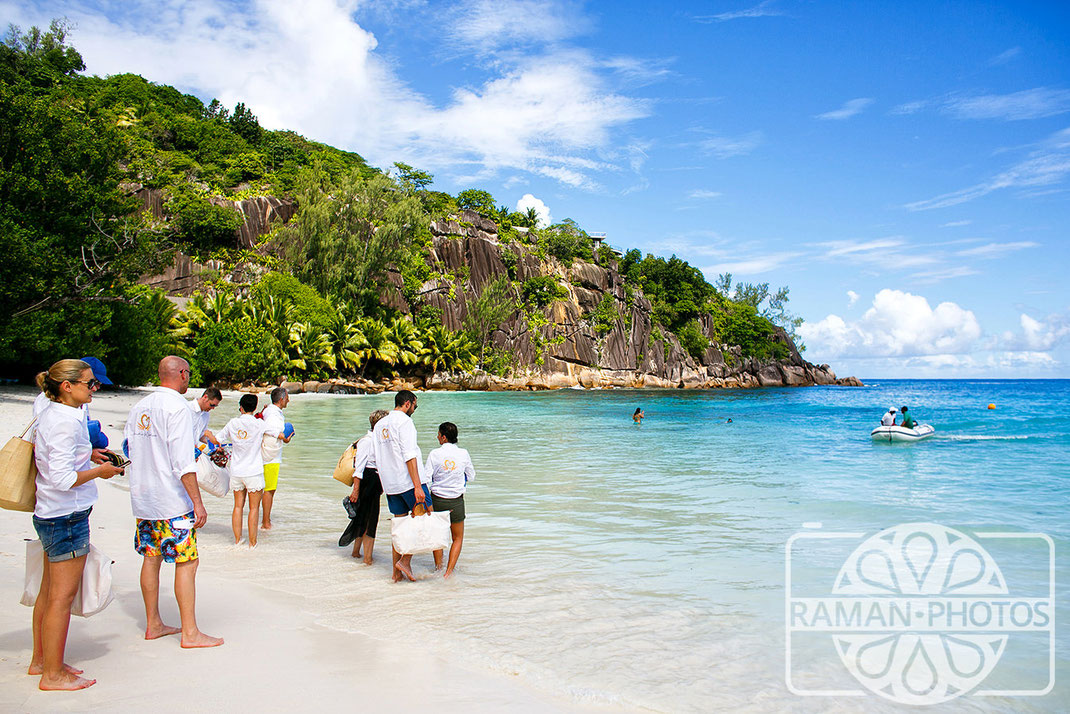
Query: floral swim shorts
point(173, 538)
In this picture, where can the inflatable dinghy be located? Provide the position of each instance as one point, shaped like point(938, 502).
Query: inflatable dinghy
point(898, 433)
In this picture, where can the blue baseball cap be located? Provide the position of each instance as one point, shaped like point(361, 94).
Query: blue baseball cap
point(99, 370)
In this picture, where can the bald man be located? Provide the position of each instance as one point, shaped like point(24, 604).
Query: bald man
point(166, 500)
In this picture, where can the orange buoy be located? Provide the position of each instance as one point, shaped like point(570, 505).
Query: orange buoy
point(991, 406)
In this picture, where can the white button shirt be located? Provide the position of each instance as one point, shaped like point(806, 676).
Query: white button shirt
point(245, 433)
point(450, 467)
point(159, 433)
point(274, 418)
point(200, 419)
point(365, 456)
point(61, 449)
point(394, 439)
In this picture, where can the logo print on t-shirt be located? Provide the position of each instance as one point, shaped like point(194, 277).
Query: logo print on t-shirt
point(242, 434)
point(386, 433)
point(144, 423)
point(450, 464)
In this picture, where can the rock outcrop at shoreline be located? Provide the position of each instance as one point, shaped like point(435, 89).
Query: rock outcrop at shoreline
point(561, 349)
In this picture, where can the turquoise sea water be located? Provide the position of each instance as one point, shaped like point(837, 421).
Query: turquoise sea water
point(643, 566)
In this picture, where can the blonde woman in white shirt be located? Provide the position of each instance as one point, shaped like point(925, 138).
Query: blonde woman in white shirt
point(450, 468)
point(65, 496)
point(245, 433)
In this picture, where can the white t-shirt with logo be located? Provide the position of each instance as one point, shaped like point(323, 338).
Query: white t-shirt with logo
point(159, 435)
point(394, 439)
point(245, 433)
point(450, 468)
point(273, 416)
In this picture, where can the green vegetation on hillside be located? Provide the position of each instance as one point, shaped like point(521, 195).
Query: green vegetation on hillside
point(83, 159)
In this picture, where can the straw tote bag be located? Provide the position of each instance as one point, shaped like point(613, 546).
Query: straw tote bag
point(18, 472)
point(345, 469)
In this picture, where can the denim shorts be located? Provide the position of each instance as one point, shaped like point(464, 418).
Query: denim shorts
point(401, 503)
point(64, 537)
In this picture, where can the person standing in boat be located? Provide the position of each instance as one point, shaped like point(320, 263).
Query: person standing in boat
point(908, 421)
point(889, 418)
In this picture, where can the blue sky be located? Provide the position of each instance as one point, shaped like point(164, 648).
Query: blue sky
point(903, 167)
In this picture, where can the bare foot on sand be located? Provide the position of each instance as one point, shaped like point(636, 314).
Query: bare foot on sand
point(37, 669)
point(369, 561)
point(447, 574)
point(200, 640)
point(403, 567)
point(152, 633)
point(266, 525)
point(66, 682)
point(356, 553)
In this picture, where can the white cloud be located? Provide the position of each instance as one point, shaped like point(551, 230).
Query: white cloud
point(898, 324)
point(752, 265)
point(911, 107)
point(701, 194)
point(852, 298)
point(318, 72)
point(848, 110)
point(956, 224)
point(1005, 56)
point(935, 276)
point(541, 209)
point(885, 253)
point(1049, 164)
point(1038, 335)
point(724, 147)
point(1028, 104)
point(484, 26)
point(762, 9)
point(995, 250)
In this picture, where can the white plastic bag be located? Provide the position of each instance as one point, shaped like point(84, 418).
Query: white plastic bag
point(94, 595)
point(213, 479)
point(420, 534)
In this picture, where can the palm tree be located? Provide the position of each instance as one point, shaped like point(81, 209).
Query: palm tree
point(275, 316)
point(309, 351)
point(346, 340)
point(406, 339)
point(376, 345)
point(446, 350)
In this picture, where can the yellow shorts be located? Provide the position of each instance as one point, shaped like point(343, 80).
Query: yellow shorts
point(271, 476)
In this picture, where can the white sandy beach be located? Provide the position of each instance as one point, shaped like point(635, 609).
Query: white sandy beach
point(276, 658)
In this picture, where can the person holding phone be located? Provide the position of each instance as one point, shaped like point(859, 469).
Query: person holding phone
point(166, 500)
point(66, 493)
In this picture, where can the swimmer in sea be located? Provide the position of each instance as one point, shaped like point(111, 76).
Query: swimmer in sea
point(637, 417)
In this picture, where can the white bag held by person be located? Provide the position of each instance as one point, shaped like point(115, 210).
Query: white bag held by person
point(420, 534)
point(211, 478)
point(95, 593)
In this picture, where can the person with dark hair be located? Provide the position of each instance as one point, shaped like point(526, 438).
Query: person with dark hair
point(397, 457)
point(451, 469)
point(908, 419)
point(166, 500)
point(66, 494)
point(246, 433)
point(201, 408)
point(367, 488)
point(272, 414)
point(638, 415)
